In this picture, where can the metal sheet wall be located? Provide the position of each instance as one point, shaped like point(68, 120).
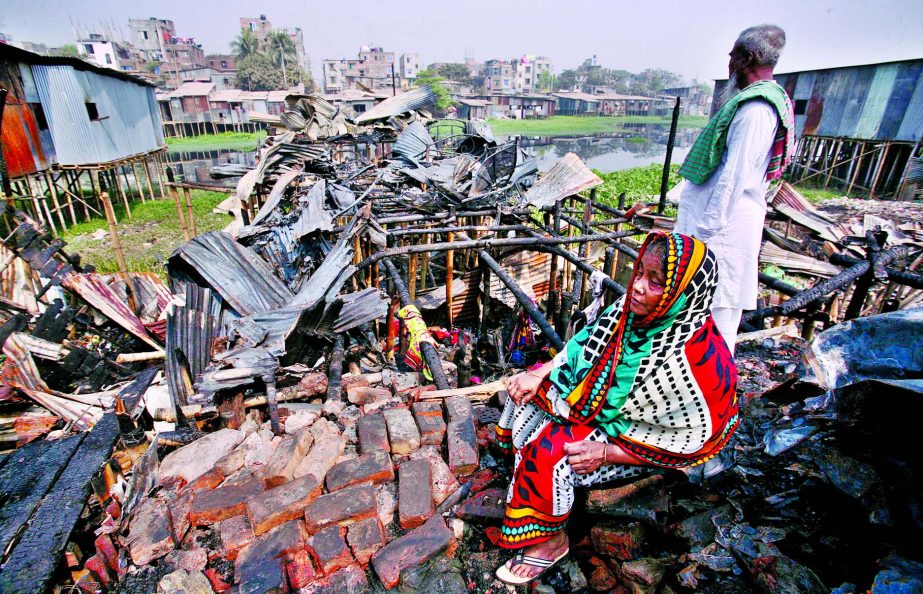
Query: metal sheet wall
point(876, 102)
point(128, 124)
point(912, 125)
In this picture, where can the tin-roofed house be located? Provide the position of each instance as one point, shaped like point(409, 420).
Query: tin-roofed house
point(858, 127)
point(576, 103)
point(70, 126)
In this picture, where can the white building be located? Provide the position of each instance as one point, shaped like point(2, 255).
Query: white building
point(98, 50)
point(410, 67)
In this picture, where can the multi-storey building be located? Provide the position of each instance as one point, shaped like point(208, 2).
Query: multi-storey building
point(375, 69)
point(158, 42)
point(410, 67)
point(520, 75)
point(262, 28)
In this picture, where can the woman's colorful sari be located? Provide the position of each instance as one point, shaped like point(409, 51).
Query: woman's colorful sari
point(662, 387)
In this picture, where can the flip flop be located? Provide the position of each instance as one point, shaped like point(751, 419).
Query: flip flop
point(504, 574)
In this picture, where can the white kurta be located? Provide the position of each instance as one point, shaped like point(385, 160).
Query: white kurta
point(727, 212)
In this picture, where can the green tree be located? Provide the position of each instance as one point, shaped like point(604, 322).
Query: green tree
point(652, 80)
point(257, 73)
point(69, 50)
point(456, 72)
point(430, 78)
point(544, 81)
point(280, 48)
point(566, 81)
point(245, 45)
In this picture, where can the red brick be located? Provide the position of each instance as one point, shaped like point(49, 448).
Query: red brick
point(429, 408)
point(106, 551)
point(362, 395)
point(413, 394)
point(299, 567)
point(180, 507)
point(412, 549)
point(150, 536)
point(98, 567)
point(286, 457)
point(114, 510)
point(353, 380)
point(375, 467)
point(235, 534)
point(444, 482)
point(223, 468)
point(486, 505)
point(461, 439)
point(345, 506)
point(479, 480)
point(415, 493)
point(209, 507)
point(432, 429)
point(373, 434)
point(260, 562)
point(402, 431)
point(618, 542)
point(459, 408)
point(329, 546)
point(328, 446)
point(313, 384)
point(348, 580)
point(268, 509)
point(365, 538)
point(219, 582)
point(266, 576)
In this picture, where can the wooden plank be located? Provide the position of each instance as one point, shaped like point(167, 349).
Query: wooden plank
point(35, 558)
point(25, 480)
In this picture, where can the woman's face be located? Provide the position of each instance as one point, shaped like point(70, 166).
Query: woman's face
point(649, 283)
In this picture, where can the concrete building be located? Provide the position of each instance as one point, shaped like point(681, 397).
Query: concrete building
point(693, 99)
point(158, 42)
point(409, 68)
point(373, 69)
point(498, 76)
point(262, 28)
point(94, 48)
point(520, 75)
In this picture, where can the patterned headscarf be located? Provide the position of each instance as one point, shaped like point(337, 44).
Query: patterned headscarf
point(663, 386)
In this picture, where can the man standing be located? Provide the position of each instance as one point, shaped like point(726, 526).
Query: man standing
point(748, 143)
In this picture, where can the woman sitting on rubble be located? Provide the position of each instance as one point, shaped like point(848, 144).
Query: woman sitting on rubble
point(650, 383)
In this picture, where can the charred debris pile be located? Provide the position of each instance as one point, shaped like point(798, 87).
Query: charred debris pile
point(308, 402)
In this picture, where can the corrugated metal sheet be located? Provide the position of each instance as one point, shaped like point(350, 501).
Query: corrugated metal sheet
point(876, 102)
point(835, 102)
point(530, 270)
point(234, 271)
point(568, 177)
point(23, 147)
point(413, 142)
point(128, 124)
point(409, 101)
point(904, 84)
point(912, 124)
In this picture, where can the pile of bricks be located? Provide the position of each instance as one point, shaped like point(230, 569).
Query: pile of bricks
point(346, 494)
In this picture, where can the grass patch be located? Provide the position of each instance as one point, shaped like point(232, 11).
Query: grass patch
point(242, 141)
point(816, 195)
point(148, 238)
point(638, 183)
point(576, 125)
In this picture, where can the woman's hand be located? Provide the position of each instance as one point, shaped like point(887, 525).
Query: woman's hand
point(522, 387)
point(585, 456)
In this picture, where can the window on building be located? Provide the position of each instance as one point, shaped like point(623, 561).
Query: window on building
point(40, 119)
point(88, 48)
point(144, 33)
point(224, 63)
point(92, 111)
point(801, 106)
point(108, 59)
point(359, 108)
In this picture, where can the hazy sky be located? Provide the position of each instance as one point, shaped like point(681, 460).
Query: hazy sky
point(691, 38)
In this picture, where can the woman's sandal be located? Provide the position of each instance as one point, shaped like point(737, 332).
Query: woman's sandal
point(504, 573)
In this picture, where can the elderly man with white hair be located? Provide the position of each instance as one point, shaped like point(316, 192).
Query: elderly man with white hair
point(745, 145)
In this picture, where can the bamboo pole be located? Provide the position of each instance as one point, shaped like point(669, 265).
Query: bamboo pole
point(67, 197)
point(147, 172)
point(52, 191)
point(134, 171)
point(179, 207)
point(41, 205)
point(449, 257)
point(158, 161)
point(855, 174)
point(882, 159)
point(119, 187)
point(113, 231)
point(412, 277)
point(190, 213)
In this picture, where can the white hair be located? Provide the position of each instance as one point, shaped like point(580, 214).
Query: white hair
point(764, 42)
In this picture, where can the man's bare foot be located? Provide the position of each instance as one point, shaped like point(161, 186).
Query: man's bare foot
point(550, 549)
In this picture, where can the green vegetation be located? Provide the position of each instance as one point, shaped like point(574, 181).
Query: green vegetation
point(577, 125)
point(148, 238)
point(241, 141)
point(640, 184)
point(272, 65)
point(434, 80)
point(816, 195)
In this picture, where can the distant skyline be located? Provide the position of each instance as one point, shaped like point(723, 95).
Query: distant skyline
point(691, 39)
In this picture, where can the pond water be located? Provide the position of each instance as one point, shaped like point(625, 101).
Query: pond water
point(639, 145)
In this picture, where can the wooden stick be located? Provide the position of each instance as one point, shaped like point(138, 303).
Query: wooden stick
point(789, 329)
point(190, 213)
point(179, 213)
point(134, 171)
point(477, 393)
point(113, 232)
point(54, 200)
point(412, 277)
point(135, 357)
point(147, 171)
point(449, 261)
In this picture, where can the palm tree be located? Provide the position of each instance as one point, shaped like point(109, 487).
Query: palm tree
point(279, 47)
point(245, 45)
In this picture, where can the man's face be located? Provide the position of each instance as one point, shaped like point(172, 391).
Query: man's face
point(739, 59)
